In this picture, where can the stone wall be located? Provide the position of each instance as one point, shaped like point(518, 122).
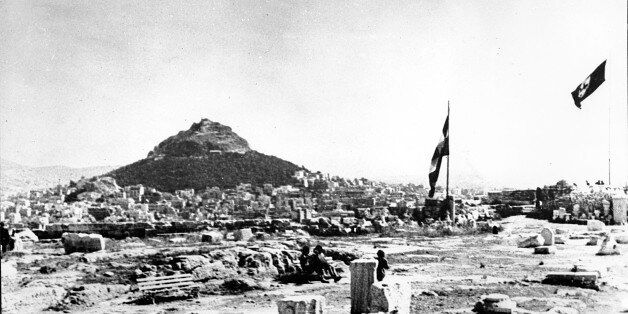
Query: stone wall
point(123, 230)
point(109, 230)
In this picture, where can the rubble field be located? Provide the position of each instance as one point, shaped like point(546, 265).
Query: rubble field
point(447, 274)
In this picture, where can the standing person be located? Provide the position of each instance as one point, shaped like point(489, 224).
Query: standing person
point(5, 238)
point(382, 265)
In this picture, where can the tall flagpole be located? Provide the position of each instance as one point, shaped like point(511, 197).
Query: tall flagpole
point(610, 93)
point(448, 150)
point(609, 143)
point(610, 99)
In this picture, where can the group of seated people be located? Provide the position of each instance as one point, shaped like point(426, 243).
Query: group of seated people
point(317, 263)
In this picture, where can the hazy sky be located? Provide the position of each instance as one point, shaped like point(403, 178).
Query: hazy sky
point(350, 88)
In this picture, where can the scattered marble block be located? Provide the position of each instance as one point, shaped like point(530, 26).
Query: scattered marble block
point(560, 239)
point(548, 236)
point(600, 270)
point(533, 241)
point(213, 237)
point(561, 231)
point(595, 225)
point(609, 246)
point(495, 303)
point(178, 240)
point(302, 304)
point(243, 234)
point(574, 279)
point(81, 242)
point(423, 258)
point(579, 237)
point(593, 241)
point(392, 295)
point(622, 238)
point(28, 235)
point(18, 245)
point(550, 249)
point(362, 277)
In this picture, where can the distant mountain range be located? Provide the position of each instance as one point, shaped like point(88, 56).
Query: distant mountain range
point(15, 177)
point(206, 155)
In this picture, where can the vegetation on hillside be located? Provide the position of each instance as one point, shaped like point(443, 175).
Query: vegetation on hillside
point(224, 170)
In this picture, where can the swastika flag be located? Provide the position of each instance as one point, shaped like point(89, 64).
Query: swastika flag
point(589, 85)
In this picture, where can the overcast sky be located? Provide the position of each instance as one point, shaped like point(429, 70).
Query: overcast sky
point(350, 88)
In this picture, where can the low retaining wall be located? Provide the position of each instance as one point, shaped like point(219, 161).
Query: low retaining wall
point(121, 230)
point(108, 230)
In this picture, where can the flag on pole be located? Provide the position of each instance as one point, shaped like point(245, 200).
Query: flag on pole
point(589, 85)
point(442, 149)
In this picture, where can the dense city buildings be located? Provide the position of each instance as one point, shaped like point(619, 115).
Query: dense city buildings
point(334, 204)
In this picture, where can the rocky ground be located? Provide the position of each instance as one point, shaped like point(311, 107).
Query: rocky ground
point(448, 274)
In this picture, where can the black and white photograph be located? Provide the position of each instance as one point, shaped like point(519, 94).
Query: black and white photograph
point(314, 157)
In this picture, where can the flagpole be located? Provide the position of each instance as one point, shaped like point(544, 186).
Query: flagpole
point(449, 151)
point(610, 97)
point(608, 103)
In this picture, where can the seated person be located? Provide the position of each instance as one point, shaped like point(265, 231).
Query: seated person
point(308, 264)
point(321, 265)
point(304, 260)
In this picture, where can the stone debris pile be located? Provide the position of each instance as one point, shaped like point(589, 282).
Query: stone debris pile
point(392, 295)
point(301, 304)
point(597, 235)
point(609, 246)
point(533, 241)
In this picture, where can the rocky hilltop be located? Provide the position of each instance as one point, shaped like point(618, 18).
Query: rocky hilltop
point(208, 154)
point(202, 138)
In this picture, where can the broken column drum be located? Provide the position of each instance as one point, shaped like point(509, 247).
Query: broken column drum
point(362, 277)
point(620, 210)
